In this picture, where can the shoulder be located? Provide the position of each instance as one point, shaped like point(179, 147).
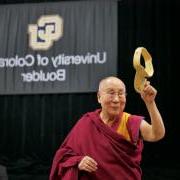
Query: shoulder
point(133, 117)
point(88, 117)
point(134, 121)
point(91, 115)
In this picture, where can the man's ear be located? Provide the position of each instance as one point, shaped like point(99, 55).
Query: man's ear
point(98, 97)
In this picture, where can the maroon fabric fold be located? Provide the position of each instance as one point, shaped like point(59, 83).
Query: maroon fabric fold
point(117, 158)
point(133, 125)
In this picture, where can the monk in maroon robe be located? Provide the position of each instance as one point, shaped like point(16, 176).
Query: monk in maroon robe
point(107, 144)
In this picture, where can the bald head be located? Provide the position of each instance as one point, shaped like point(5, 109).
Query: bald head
point(110, 82)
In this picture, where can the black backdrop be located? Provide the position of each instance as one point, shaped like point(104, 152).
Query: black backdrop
point(33, 126)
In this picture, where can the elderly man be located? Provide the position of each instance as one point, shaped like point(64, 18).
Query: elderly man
point(107, 144)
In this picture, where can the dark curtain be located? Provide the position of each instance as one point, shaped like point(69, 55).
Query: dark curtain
point(154, 25)
point(33, 126)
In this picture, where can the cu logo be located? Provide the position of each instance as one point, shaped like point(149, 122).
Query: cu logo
point(47, 30)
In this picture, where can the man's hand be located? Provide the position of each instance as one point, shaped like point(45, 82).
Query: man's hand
point(88, 164)
point(149, 93)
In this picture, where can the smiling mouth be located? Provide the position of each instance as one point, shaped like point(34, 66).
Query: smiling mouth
point(115, 107)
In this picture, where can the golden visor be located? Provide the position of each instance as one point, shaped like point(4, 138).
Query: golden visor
point(142, 73)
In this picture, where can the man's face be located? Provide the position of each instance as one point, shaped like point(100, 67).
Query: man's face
point(112, 96)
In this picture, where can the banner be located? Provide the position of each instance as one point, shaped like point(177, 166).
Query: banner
point(64, 47)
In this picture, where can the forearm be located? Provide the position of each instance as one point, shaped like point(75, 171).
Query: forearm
point(157, 125)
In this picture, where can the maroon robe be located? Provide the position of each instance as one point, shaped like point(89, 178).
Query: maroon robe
point(117, 158)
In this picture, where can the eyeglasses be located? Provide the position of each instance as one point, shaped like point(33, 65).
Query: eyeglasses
point(113, 94)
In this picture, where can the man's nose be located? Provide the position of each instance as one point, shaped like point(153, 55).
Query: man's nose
point(116, 98)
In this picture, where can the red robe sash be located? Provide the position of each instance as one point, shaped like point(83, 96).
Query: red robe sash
point(117, 158)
